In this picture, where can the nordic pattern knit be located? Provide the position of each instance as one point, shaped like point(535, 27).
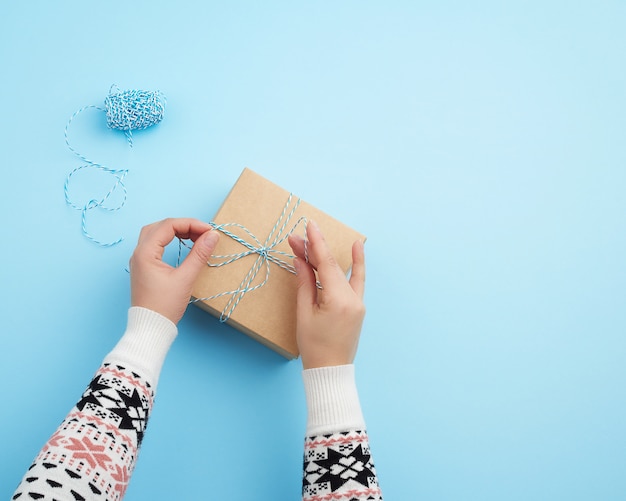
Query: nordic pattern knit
point(338, 465)
point(92, 454)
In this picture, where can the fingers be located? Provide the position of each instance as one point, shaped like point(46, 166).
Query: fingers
point(357, 276)
point(163, 232)
point(317, 252)
point(157, 285)
point(199, 254)
point(306, 283)
point(297, 246)
point(330, 274)
point(156, 236)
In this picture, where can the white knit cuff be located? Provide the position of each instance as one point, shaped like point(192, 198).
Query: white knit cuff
point(332, 400)
point(145, 343)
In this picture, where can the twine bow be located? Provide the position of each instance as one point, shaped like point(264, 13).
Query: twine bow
point(266, 252)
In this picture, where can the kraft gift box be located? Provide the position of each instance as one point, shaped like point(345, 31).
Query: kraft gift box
point(255, 294)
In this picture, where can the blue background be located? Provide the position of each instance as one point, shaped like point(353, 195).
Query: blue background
point(479, 145)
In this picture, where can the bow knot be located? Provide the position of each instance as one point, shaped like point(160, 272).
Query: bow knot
point(266, 252)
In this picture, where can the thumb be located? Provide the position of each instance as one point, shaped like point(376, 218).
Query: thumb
point(199, 255)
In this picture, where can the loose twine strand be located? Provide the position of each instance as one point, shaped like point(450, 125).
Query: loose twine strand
point(137, 109)
point(125, 110)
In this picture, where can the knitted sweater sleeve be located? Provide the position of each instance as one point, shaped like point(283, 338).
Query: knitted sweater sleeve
point(337, 460)
point(93, 452)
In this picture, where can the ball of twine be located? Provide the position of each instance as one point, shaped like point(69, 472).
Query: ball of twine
point(130, 110)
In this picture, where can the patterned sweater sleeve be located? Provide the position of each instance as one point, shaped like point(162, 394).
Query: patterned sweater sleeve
point(92, 454)
point(337, 460)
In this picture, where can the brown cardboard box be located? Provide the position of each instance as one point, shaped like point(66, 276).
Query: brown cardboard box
point(267, 313)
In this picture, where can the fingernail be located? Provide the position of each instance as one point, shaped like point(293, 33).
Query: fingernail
point(295, 238)
point(211, 239)
point(317, 229)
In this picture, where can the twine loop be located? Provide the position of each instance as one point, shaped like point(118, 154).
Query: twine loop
point(266, 252)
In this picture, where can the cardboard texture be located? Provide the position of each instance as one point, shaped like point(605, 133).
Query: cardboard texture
point(267, 314)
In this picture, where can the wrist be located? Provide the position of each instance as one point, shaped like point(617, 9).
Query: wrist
point(327, 356)
point(322, 363)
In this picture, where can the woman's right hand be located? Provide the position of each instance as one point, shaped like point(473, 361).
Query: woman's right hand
point(329, 319)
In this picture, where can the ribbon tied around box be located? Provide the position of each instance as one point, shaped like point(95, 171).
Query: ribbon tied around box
point(267, 253)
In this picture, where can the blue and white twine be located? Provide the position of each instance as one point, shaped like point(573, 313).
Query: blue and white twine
point(125, 110)
point(266, 252)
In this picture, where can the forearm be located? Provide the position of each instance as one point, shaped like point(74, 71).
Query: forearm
point(337, 458)
point(93, 452)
